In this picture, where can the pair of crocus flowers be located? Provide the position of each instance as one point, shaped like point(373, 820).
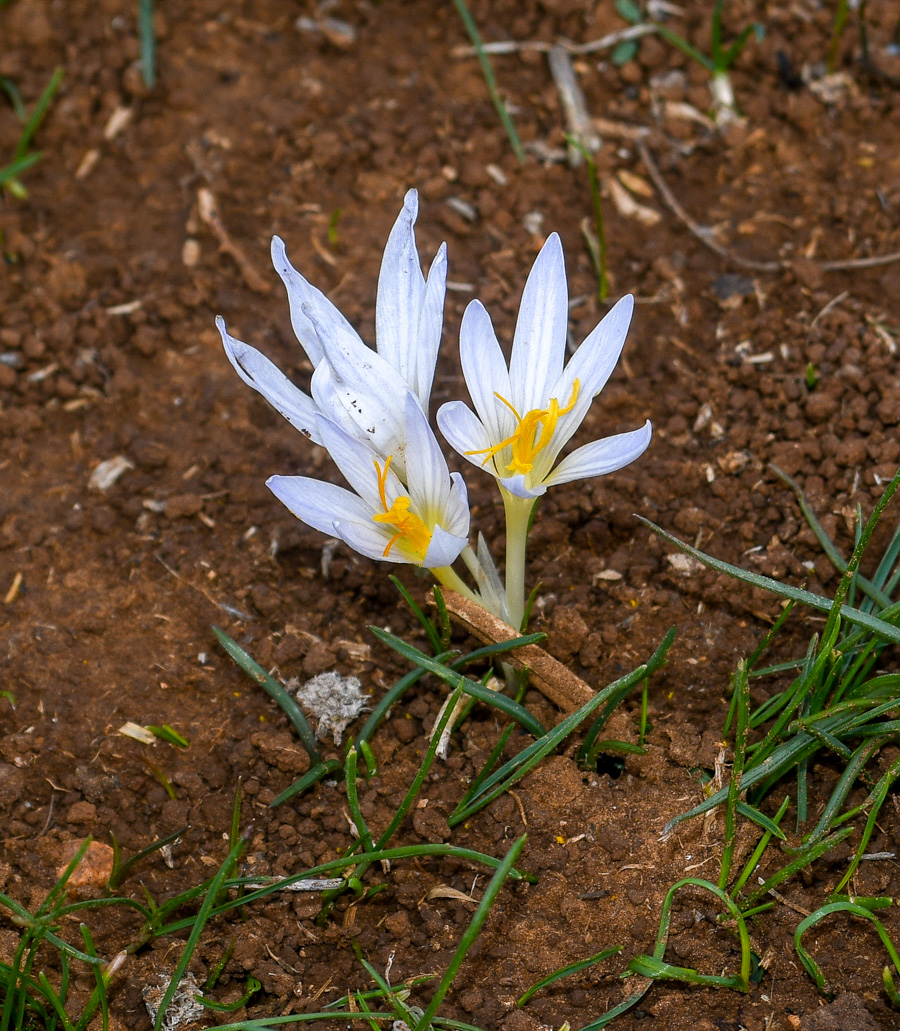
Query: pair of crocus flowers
point(369, 408)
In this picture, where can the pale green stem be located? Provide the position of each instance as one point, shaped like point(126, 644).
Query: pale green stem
point(518, 514)
point(450, 578)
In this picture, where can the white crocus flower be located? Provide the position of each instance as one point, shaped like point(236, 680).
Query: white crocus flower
point(423, 521)
point(528, 412)
point(361, 389)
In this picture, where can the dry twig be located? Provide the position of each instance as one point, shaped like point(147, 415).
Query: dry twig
point(209, 213)
point(703, 236)
point(549, 676)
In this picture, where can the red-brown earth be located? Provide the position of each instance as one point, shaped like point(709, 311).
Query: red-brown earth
point(110, 285)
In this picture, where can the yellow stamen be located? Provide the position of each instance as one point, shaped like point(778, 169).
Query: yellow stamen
point(528, 441)
point(410, 528)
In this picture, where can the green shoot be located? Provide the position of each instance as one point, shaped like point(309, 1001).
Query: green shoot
point(572, 968)
point(198, 925)
point(332, 232)
point(627, 50)
point(488, 72)
point(719, 60)
point(471, 933)
point(166, 733)
point(742, 703)
point(275, 691)
point(147, 38)
point(656, 968)
point(23, 156)
point(121, 870)
point(837, 31)
point(596, 241)
point(812, 968)
point(161, 778)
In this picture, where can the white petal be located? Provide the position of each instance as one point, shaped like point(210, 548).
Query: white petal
point(484, 368)
point(592, 365)
point(456, 517)
point(370, 539)
point(539, 345)
point(427, 475)
point(302, 294)
point(431, 324)
point(601, 456)
point(258, 372)
point(356, 461)
point(464, 433)
point(444, 549)
point(401, 290)
point(370, 391)
point(517, 485)
point(317, 503)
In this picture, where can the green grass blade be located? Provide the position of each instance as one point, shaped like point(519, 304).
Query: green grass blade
point(197, 927)
point(434, 637)
point(742, 707)
point(37, 115)
point(147, 37)
point(120, 870)
point(488, 72)
point(455, 679)
point(275, 691)
point(471, 933)
point(312, 776)
point(517, 767)
point(806, 959)
point(766, 583)
point(761, 847)
point(572, 968)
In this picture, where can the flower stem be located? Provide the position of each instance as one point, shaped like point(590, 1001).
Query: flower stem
point(518, 515)
point(450, 578)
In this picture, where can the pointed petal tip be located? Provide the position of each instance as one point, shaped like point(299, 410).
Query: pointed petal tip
point(443, 549)
point(626, 303)
point(552, 246)
point(278, 250)
point(411, 203)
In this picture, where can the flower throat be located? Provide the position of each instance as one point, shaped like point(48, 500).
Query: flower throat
point(533, 433)
point(408, 525)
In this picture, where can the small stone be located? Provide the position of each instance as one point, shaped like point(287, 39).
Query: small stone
point(431, 824)
point(888, 411)
point(146, 340)
point(95, 867)
point(12, 784)
point(820, 407)
point(181, 506)
point(81, 812)
point(847, 1011)
point(150, 454)
point(67, 282)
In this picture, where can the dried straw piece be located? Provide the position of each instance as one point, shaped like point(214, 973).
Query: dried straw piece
point(549, 676)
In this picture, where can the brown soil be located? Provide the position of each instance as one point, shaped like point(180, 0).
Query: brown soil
point(108, 348)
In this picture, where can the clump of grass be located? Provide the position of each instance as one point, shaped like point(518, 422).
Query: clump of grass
point(23, 156)
point(488, 72)
point(596, 239)
point(718, 61)
point(840, 705)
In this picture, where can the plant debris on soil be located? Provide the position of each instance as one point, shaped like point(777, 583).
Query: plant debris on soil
point(765, 260)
